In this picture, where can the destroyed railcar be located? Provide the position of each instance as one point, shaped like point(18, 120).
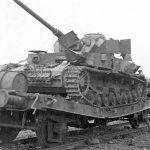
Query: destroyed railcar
point(81, 81)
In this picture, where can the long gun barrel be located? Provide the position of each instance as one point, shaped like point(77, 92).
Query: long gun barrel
point(55, 31)
point(68, 40)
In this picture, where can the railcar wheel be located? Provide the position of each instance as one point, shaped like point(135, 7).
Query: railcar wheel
point(134, 121)
point(7, 135)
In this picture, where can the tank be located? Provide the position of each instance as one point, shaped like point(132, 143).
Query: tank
point(85, 70)
point(88, 78)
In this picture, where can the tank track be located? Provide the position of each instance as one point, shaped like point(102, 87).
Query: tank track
point(72, 79)
point(102, 88)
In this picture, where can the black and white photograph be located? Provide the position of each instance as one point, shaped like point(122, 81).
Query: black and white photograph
point(74, 75)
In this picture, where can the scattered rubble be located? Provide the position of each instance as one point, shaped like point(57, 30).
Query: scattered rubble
point(92, 141)
point(137, 141)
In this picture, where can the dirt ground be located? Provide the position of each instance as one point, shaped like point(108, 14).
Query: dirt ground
point(136, 141)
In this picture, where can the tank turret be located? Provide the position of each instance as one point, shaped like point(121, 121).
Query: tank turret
point(91, 50)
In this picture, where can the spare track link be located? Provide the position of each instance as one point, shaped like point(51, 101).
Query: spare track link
point(71, 82)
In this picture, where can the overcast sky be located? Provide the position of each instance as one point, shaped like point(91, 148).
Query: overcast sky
point(118, 19)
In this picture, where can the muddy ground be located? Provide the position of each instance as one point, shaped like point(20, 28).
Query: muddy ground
point(136, 141)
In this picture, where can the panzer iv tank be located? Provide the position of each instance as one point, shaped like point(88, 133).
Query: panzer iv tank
point(85, 70)
point(83, 80)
